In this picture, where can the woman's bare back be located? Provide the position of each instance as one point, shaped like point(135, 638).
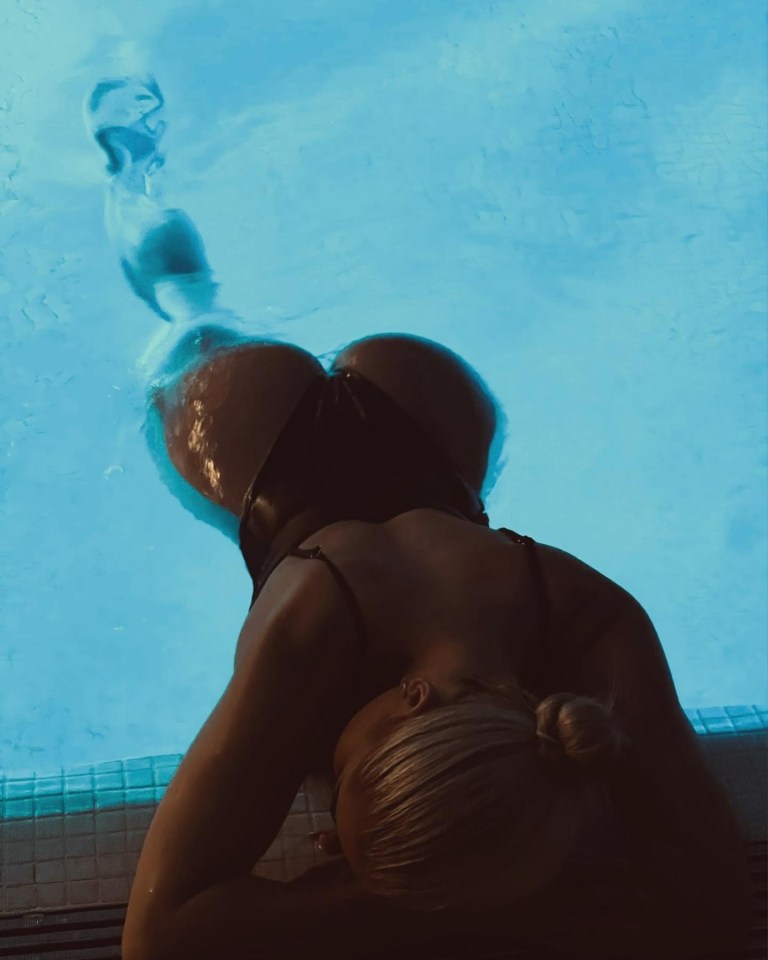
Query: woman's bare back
point(427, 572)
point(426, 575)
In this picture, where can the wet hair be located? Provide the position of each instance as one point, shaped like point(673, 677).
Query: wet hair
point(492, 784)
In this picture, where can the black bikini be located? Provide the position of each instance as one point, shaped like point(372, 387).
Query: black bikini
point(349, 452)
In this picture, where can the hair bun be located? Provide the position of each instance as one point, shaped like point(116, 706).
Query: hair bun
point(577, 729)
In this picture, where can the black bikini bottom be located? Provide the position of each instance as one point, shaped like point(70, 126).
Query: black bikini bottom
point(347, 452)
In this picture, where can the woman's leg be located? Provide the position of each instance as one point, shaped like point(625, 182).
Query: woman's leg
point(217, 397)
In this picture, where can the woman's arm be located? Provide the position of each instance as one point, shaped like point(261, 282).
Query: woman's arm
point(237, 781)
point(681, 815)
point(324, 913)
point(618, 907)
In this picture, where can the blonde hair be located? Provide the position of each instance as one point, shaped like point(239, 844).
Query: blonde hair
point(490, 784)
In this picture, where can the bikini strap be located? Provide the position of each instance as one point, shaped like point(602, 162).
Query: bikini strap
point(539, 581)
point(316, 553)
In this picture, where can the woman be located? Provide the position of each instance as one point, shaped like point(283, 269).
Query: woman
point(455, 752)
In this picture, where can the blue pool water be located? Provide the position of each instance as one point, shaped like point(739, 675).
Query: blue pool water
point(571, 195)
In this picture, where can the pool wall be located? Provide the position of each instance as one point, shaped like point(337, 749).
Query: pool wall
point(75, 839)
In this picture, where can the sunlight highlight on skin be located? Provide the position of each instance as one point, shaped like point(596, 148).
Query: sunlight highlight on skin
point(213, 476)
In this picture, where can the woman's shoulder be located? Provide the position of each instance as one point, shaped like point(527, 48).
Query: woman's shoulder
point(577, 585)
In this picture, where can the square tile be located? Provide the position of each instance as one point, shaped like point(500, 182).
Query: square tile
point(20, 898)
point(80, 846)
point(48, 805)
point(83, 892)
point(18, 852)
point(115, 890)
point(81, 868)
point(321, 821)
point(51, 894)
point(49, 828)
point(17, 874)
point(19, 809)
point(23, 830)
point(111, 866)
point(79, 784)
point(50, 871)
point(49, 849)
point(297, 845)
point(164, 773)
point(112, 821)
point(138, 763)
point(110, 843)
point(135, 841)
point(49, 787)
point(110, 799)
point(139, 818)
point(275, 851)
point(19, 789)
point(79, 824)
point(296, 824)
point(109, 782)
point(139, 778)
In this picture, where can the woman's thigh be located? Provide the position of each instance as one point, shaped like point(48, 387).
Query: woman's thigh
point(222, 413)
point(436, 387)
